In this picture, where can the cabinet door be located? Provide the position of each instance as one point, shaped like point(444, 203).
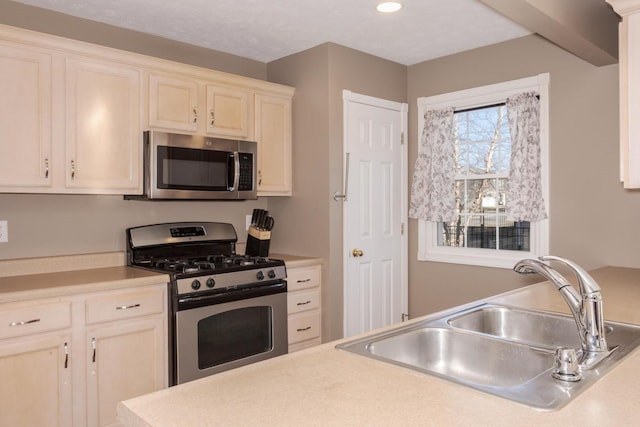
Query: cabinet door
point(227, 111)
point(273, 134)
point(35, 385)
point(124, 360)
point(104, 137)
point(173, 103)
point(25, 117)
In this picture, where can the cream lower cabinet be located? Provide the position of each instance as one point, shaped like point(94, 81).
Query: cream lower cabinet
point(126, 349)
point(35, 369)
point(304, 307)
point(70, 361)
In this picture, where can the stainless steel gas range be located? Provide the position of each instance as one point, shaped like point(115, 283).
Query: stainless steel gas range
point(225, 310)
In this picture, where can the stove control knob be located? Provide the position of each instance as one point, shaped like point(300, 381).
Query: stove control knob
point(271, 274)
point(260, 275)
point(195, 285)
point(211, 282)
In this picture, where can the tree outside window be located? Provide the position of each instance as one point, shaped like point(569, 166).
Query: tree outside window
point(482, 156)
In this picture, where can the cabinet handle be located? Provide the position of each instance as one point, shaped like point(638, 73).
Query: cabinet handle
point(303, 329)
point(213, 118)
point(25, 322)
point(127, 307)
point(195, 115)
point(303, 281)
point(66, 355)
point(93, 346)
point(46, 168)
point(73, 169)
point(259, 178)
point(304, 303)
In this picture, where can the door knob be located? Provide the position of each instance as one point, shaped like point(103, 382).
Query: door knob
point(357, 252)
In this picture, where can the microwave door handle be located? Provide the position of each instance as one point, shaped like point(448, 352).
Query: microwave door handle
point(236, 170)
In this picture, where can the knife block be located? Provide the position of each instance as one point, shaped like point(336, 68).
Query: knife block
point(258, 242)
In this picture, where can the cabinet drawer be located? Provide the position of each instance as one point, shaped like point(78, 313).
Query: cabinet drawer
point(124, 305)
point(303, 300)
point(34, 319)
point(303, 277)
point(304, 326)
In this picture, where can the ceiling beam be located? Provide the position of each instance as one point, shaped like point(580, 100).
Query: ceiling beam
point(586, 28)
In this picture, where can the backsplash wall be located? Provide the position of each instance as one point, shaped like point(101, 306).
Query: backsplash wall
point(55, 224)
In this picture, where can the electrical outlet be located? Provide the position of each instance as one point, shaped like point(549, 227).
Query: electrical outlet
point(4, 231)
point(247, 222)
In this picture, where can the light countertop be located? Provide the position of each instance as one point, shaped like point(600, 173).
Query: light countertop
point(294, 261)
point(322, 386)
point(62, 283)
point(34, 278)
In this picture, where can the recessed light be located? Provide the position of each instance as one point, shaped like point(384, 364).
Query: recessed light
point(389, 6)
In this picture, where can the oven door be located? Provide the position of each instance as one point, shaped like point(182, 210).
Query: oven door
point(215, 338)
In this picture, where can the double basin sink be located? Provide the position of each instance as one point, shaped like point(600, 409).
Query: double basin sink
point(504, 351)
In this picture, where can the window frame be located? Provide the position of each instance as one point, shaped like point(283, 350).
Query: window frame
point(428, 249)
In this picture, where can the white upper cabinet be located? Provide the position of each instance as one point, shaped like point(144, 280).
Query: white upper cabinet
point(196, 106)
point(71, 119)
point(25, 112)
point(173, 103)
point(228, 112)
point(73, 115)
point(273, 135)
point(629, 65)
point(103, 148)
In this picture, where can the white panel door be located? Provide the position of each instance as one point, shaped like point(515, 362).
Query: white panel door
point(375, 286)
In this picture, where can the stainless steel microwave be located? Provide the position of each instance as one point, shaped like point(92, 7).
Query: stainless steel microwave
point(193, 167)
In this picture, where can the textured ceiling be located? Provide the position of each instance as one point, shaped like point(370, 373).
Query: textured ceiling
point(266, 30)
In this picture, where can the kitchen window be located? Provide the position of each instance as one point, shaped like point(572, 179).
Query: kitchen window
point(482, 233)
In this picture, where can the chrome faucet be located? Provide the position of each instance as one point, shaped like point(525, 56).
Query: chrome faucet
point(585, 306)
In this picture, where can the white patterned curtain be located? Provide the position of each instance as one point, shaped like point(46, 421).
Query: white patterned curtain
point(432, 189)
point(524, 201)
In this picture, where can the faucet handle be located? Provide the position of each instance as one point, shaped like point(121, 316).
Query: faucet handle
point(587, 284)
point(566, 367)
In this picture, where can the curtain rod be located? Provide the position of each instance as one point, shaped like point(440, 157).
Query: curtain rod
point(466, 110)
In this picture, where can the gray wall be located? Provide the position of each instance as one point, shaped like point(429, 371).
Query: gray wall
point(313, 219)
point(593, 220)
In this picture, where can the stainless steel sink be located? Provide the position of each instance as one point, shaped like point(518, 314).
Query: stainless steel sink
point(504, 351)
point(547, 330)
point(467, 357)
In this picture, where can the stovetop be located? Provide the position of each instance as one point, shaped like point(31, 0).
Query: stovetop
point(207, 264)
point(199, 257)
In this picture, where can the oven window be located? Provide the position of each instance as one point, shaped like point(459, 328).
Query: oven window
point(234, 335)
